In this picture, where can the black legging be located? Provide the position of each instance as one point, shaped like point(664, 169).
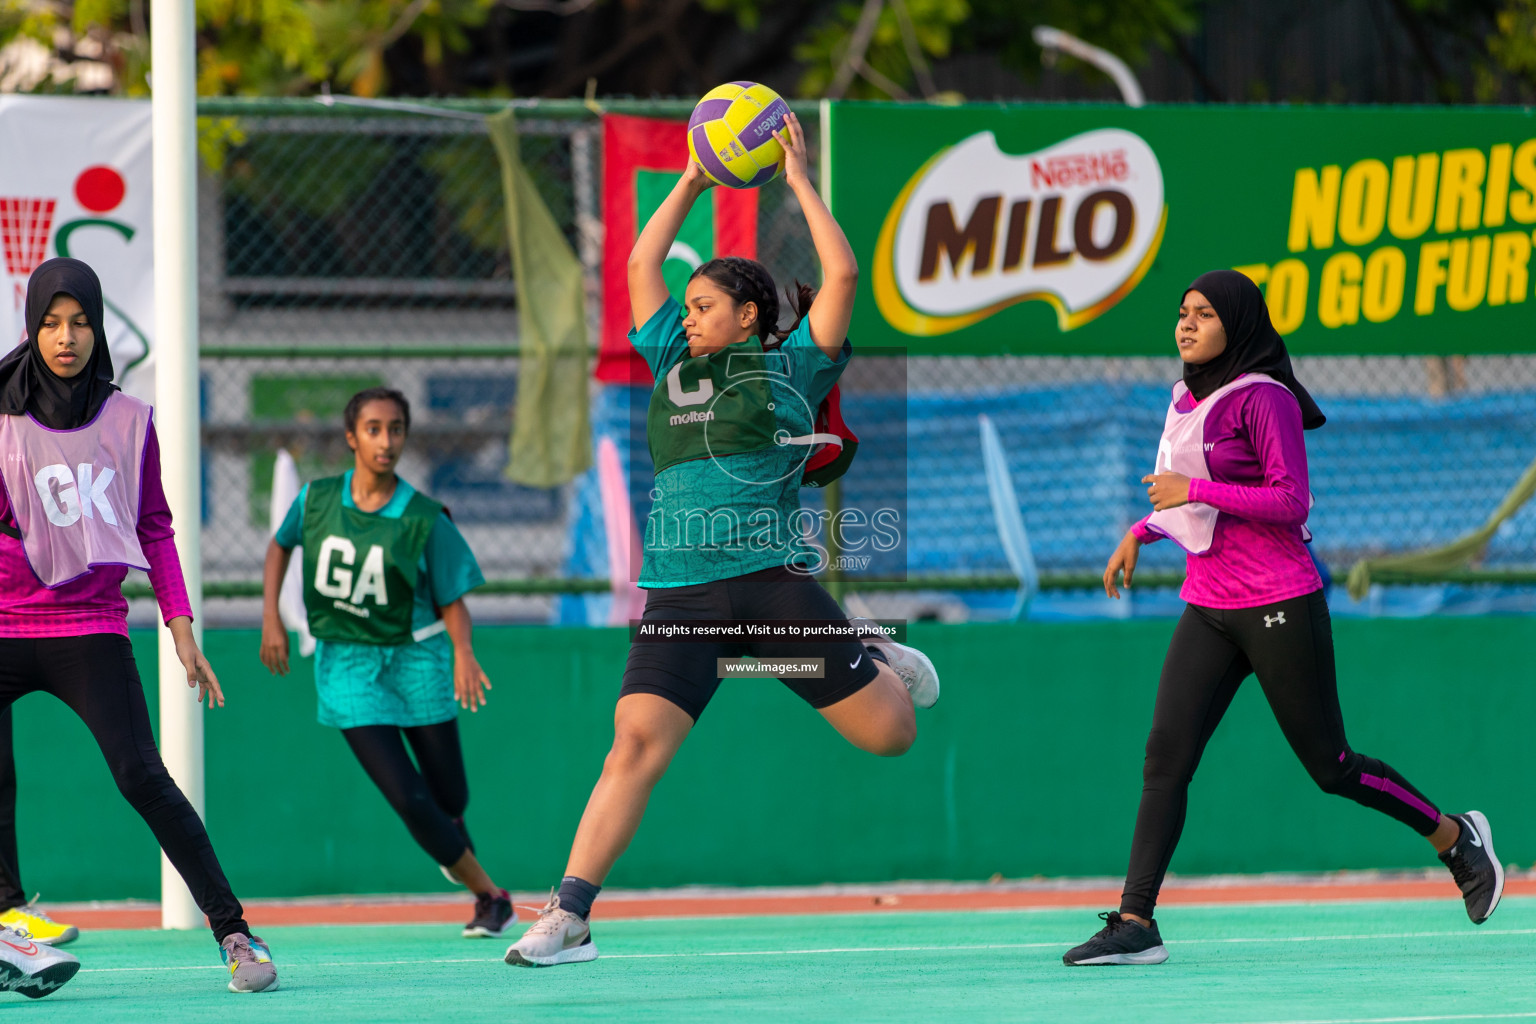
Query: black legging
point(430, 801)
point(96, 676)
point(1289, 646)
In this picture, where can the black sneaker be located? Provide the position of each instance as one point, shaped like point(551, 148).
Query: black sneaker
point(1475, 866)
point(493, 913)
point(1120, 941)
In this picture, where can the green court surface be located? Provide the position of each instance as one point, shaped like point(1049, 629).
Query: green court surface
point(1336, 962)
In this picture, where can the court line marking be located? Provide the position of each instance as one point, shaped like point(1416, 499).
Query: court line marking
point(1405, 1020)
point(834, 949)
point(898, 909)
point(337, 963)
point(1058, 945)
point(930, 949)
point(1355, 938)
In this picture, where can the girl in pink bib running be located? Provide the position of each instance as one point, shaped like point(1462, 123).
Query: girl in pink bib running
point(1230, 488)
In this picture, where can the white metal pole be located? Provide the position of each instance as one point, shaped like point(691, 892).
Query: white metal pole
point(174, 117)
point(1049, 39)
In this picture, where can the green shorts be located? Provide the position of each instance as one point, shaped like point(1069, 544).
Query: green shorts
point(368, 684)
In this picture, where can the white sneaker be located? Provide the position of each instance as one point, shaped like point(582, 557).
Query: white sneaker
point(910, 664)
point(32, 968)
point(557, 937)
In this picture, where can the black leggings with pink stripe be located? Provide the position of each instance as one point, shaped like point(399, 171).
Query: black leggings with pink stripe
point(1289, 646)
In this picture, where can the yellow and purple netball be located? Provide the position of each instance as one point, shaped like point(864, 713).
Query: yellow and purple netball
point(731, 134)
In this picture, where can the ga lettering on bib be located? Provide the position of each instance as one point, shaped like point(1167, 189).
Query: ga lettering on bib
point(360, 570)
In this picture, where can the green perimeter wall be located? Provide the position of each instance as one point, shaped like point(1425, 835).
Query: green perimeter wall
point(1029, 766)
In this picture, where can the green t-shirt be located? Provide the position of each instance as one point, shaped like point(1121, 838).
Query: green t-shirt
point(715, 518)
point(447, 565)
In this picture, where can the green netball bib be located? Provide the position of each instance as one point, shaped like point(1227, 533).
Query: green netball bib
point(360, 570)
point(714, 405)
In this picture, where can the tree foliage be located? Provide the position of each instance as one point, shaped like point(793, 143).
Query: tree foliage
point(248, 47)
point(1513, 42)
point(860, 48)
point(933, 24)
point(1130, 30)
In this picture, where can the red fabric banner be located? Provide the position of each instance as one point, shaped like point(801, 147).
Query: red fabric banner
point(633, 144)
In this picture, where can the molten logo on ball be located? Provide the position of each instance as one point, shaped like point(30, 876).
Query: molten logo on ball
point(976, 230)
point(731, 134)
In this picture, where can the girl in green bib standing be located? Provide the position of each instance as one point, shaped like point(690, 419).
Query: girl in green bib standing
point(732, 408)
point(385, 573)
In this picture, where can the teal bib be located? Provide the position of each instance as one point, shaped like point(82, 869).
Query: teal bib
point(360, 570)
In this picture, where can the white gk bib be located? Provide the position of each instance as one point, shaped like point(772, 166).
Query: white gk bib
point(1182, 450)
point(75, 493)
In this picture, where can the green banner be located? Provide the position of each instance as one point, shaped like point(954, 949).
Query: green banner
point(991, 228)
point(695, 243)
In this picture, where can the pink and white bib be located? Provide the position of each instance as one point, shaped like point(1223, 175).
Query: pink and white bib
point(75, 493)
point(1182, 450)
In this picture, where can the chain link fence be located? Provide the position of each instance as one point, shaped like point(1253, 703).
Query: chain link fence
point(342, 249)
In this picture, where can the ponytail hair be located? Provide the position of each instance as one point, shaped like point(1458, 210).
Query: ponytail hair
point(747, 280)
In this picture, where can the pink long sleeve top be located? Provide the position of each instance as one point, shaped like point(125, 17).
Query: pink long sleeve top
point(1258, 464)
point(94, 603)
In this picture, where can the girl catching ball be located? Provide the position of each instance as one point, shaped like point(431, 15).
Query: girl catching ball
point(733, 395)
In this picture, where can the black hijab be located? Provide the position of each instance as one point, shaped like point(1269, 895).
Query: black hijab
point(1253, 344)
point(26, 383)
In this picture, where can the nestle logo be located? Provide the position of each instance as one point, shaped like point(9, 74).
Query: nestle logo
point(1069, 169)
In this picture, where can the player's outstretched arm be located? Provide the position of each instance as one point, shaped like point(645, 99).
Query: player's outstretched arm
point(647, 288)
point(833, 308)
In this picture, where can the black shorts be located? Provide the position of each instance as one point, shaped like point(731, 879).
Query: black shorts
point(684, 672)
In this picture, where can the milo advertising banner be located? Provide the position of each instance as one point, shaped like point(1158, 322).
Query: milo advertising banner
point(1073, 229)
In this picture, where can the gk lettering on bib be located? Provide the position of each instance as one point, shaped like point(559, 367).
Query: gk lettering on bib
point(75, 493)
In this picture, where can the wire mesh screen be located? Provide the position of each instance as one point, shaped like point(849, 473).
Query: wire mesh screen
point(342, 252)
point(374, 216)
point(1416, 452)
point(457, 451)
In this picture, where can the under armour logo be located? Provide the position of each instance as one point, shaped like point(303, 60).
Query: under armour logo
point(1277, 619)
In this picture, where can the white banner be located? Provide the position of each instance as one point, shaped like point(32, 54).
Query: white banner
point(1097, 224)
point(75, 181)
